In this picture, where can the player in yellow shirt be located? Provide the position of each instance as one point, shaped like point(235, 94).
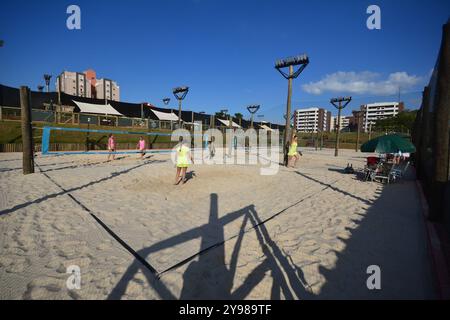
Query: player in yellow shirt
point(183, 154)
point(293, 155)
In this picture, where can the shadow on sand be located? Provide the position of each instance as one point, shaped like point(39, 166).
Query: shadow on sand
point(288, 279)
point(389, 234)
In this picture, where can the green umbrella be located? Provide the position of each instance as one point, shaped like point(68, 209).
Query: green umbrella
point(391, 143)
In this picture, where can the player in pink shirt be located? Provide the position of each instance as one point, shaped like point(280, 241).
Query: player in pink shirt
point(111, 146)
point(141, 146)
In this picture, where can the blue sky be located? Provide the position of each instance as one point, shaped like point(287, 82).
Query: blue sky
point(225, 50)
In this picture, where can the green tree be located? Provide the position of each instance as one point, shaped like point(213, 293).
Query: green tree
point(403, 122)
point(221, 115)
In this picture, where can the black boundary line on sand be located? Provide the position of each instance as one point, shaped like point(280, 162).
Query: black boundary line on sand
point(175, 266)
point(179, 264)
point(103, 225)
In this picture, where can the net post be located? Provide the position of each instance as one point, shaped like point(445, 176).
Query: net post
point(27, 134)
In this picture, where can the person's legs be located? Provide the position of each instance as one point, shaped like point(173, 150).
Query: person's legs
point(296, 158)
point(177, 180)
point(289, 163)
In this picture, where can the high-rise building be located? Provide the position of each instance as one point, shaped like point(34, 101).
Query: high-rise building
point(344, 123)
point(107, 89)
point(312, 120)
point(377, 111)
point(92, 78)
point(85, 84)
point(73, 83)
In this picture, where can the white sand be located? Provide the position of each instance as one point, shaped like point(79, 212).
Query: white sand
point(331, 227)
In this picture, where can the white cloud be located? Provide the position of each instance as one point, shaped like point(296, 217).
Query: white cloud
point(365, 82)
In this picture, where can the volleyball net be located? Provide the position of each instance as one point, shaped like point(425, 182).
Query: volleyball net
point(60, 140)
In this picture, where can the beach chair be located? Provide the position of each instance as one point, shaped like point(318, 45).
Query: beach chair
point(399, 173)
point(381, 174)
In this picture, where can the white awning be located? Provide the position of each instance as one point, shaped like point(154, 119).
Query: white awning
point(227, 123)
point(193, 123)
point(97, 108)
point(165, 116)
point(264, 127)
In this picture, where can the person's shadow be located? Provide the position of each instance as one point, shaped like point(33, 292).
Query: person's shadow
point(190, 175)
point(209, 276)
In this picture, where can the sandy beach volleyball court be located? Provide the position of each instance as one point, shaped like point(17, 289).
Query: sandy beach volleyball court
point(305, 233)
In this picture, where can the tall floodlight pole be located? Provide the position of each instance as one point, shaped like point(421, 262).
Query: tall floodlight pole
point(358, 123)
point(224, 113)
point(302, 61)
point(166, 101)
point(337, 103)
point(253, 109)
point(47, 78)
point(180, 93)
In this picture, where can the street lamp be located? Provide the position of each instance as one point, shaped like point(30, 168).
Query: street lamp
point(253, 108)
point(180, 93)
point(337, 103)
point(47, 78)
point(302, 61)
point(166, 101)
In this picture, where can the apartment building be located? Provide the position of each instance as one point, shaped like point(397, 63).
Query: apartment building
point(85, 84)
point(312, 120)
point(377, 111)
point(74, 83)
point(344, 123)
point(107, 89)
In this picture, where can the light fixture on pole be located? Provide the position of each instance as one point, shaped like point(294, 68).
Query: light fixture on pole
point(166, 101)
point(337, 103)
point(302, 61)
point(292, 117)
point(253, 108)
point(180, 93)
point(47, 78)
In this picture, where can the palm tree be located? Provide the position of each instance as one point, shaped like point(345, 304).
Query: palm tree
point(221, 114)
point(239, 116)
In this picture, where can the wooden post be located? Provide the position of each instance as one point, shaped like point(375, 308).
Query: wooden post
point(321, 140)
point(441, 128)
point(338, 129)
point(425, 136)
point(27, 135)
point(358, 115)
point(287, 130)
